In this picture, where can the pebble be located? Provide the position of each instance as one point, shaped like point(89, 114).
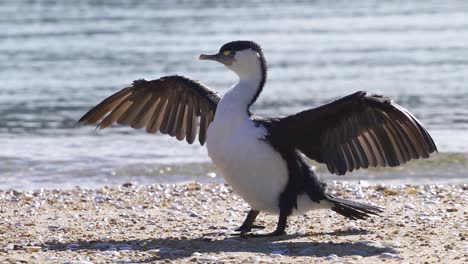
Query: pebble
point(124, 247)
point(430, 218)
point(10, 247)
point(364, 183)
point(121, 216)
point(193, 214)
point(391, 244)
point(78, 262)
point(255, 259)
point(360, 195)
point(331, 257)
point(32, 249)
point(368, 242)
point(153, 251)
point(123, 261)
point(110, 253)
point(164, 250)
point(388, 255)
point(279, 252)
point(208, 258)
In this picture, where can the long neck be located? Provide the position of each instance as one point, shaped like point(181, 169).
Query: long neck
point(250, 85)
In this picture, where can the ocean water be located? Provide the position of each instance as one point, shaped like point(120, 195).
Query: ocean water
point(60, 58)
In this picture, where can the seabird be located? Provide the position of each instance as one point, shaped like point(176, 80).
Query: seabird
point(261, 158)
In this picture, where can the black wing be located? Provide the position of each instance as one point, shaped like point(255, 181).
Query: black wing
point(356, 131)
point(171, 105)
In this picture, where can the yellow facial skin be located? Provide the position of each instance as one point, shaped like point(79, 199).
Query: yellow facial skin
point(226, 52)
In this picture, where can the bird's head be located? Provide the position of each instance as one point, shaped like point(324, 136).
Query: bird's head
point(243, 57)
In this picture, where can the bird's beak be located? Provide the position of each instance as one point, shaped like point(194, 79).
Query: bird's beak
point(219, 57)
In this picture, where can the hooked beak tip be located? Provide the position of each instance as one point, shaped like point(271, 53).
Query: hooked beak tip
point(203, 57)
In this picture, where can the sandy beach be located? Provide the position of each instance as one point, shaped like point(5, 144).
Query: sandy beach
point(194, 222)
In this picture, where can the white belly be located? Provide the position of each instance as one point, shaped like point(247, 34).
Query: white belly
point(250, 165)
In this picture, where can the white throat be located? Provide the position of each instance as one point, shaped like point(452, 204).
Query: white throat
point(248, 68)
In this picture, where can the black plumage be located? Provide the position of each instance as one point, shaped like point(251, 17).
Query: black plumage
point(356, 131)
point(171, 105)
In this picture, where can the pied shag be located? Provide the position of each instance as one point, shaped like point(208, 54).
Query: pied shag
point(261, 158)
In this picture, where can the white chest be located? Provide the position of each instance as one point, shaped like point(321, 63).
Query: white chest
point(250, 165)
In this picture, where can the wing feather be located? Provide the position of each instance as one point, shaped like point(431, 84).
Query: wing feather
point(157, 118)
point(145, 113)
point(191, 122)
point(356, 131)
point(133, 111)
point(171, 105)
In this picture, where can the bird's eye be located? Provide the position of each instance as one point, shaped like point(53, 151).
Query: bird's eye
point(229, 53)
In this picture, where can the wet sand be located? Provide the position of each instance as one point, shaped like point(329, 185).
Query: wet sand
point(194, 222)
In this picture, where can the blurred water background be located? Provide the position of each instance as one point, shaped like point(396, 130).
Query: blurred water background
point(59, 58)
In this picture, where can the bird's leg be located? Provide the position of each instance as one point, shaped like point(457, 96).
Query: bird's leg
point(282, 220)
point(248, 225)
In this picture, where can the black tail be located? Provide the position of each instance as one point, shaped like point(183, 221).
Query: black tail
point(353, 210)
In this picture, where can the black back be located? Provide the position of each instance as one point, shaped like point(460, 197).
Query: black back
point(301, 177)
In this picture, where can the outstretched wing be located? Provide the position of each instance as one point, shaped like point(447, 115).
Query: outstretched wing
point(356, 131)
point(171, 105)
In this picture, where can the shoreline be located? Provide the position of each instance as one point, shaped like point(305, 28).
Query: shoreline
point(194, 222)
